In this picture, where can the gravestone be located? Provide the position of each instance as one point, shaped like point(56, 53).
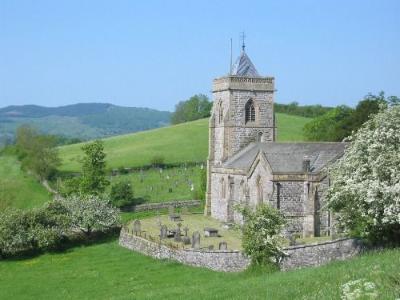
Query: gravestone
point(163, 232)
point(137, 227)
point(177, 237)
point(210, 232)
point(223, 246)
point(196, 240)
point(186, 230)
point(186, 240)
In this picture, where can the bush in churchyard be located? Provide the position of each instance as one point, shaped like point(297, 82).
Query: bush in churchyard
point(262, 234)
point(121, 193)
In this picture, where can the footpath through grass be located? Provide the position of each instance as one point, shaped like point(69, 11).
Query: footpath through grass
point(186, 142)
point(18, 189)
point(108, 271)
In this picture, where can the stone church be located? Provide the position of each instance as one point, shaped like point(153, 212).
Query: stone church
point(247, 166)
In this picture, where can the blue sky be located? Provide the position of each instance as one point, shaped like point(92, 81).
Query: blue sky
point(156, 53)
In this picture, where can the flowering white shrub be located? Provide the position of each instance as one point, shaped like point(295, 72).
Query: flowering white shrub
point(365, 186)
point(358, 289)
point(262, 238)
point(89, 213)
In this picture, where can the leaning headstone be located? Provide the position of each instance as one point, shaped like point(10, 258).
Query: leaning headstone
point(196, 240)
point(137, 227)
point(163, 232)
point(223, 246)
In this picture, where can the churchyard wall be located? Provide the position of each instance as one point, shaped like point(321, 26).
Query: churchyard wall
point(320, 253)
point(162, 205)
point(217, 260)
point(234, 261)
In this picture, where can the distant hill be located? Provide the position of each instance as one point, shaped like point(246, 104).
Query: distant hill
point(83, 121)
point(185, 142)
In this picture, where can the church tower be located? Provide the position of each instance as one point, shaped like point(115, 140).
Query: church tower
point(242, 113)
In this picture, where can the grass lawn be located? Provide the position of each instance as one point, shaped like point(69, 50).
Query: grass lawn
point(108, 271)
point(187, 142)
point(18, 189)
point(170, 184)
point(195, 222)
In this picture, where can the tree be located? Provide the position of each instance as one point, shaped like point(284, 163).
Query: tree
point(334, 125)
point(37, 152)
point(93, 180)
point(262, 239)
point(339, 123)
point(365, 190)
point(90, 213)
point(121, 193)
point(197, 107)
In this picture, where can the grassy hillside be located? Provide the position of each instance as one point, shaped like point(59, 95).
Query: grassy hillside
point(108, 271)
point(84, 120)
point(18, 189)
point(185, 142)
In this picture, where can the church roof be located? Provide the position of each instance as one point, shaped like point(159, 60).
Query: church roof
point(287, 157)
point(244, 67)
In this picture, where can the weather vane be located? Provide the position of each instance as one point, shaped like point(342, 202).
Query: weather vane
point(243, 37)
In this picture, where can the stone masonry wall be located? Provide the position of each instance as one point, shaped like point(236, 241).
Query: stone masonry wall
point(234, 261)
point(320, 254)
point(217, 260)
point(162, 205)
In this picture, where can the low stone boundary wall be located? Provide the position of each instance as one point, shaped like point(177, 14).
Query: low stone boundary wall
point(317, 254)
point(217, 260)
point(301, 256)
point(162, 205)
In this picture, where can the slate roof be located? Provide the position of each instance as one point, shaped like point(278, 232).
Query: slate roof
point(287, 157)
point(244, 67)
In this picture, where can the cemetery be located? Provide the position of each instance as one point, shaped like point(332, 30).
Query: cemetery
point(185, 230)
point(160, 184)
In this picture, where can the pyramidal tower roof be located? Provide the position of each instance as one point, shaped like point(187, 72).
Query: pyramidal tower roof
point(244, 67)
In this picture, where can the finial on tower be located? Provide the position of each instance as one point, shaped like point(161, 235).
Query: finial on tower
point(243, 36)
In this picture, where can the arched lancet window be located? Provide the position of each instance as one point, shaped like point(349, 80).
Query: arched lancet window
point(223, 188)
point(250, 111)
point(260, 137)
point(220, 112)
point(260, 194)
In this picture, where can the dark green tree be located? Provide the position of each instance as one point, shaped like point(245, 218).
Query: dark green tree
point(197, 107)
point(335, 125)
point(37, 152)
point(93, 180)
point(121, 193)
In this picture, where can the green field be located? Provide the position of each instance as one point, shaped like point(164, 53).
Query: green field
point(108, 271)
point(187, 142)
point(18, 189)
